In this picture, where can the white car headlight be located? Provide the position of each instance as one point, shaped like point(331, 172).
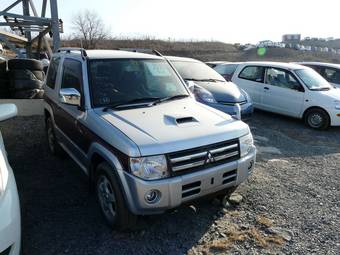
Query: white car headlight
point(246, 144)
point(149, 168)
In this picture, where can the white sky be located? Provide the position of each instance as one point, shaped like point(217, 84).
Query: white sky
point(223, 20)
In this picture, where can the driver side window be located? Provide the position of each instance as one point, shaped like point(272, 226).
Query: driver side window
point(283, 79)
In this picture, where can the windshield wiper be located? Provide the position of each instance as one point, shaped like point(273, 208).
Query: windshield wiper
point(161, 100)
point(137, 102)
point(321, 89)
point(204, 80)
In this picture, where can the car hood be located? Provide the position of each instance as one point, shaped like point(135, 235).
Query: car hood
point(175, 126)
point(326, 97)
point(223, 91)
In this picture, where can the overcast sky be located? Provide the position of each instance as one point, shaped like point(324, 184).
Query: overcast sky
point(223, 20)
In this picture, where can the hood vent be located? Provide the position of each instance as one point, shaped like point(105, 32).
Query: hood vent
point(185, 120)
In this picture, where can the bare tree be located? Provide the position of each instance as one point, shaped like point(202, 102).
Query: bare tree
point(89, 28)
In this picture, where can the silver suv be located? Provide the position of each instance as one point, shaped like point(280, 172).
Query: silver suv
point(130, 122)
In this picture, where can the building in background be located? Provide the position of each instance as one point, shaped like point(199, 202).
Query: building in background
point(291, 37)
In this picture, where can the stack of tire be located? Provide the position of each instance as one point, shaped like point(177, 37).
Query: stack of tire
point(4, 82)
point(26, 78)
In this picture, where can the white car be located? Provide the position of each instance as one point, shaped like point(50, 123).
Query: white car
point(10, 226)
point(331, 72)
point(290, 89)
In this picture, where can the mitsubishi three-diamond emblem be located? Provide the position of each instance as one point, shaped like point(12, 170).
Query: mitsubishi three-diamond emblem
point(210, 158)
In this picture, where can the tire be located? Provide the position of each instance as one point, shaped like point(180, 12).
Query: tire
point(26, 74)
point(3, 70)
point(317, 118)
point(30, 64)
point(111, 199)
point(53, 145)
point(18, 85)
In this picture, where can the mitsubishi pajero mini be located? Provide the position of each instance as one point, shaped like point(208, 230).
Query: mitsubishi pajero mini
point(130, 122)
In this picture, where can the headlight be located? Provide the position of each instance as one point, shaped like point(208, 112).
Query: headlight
point(149, 168)
point(246, 144)
point(204, 95)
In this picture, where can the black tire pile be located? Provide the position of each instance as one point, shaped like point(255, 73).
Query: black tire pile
point(4, 82)
point(26, 78)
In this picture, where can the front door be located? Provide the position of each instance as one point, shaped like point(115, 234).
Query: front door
point(68, 117)
point(282, 92)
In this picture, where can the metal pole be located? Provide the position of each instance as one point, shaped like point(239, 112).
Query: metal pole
point(26, 12)
point(55, 25)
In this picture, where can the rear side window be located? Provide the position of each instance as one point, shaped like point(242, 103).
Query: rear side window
point(52, 72)
point(72, 75)
point(252, 73)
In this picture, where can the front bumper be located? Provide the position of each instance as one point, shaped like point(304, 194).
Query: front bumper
point(10, 226)
point(335, 117)
point(172, 190)
point(246, 109)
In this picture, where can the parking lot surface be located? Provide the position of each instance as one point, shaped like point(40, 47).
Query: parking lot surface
point(290, 204)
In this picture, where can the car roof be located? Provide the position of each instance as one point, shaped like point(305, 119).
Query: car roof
point(288, 66)
point(112, 54)
point(320, 64)
point(174, 58)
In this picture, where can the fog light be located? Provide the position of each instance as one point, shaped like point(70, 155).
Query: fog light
point(152, 196)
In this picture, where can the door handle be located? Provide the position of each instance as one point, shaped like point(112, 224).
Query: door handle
point(266, 88)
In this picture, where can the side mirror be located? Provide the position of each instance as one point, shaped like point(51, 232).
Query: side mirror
point(69, 96)
point(7, 111)
point(190, 85)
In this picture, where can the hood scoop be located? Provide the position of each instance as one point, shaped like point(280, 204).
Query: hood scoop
point(180, 120)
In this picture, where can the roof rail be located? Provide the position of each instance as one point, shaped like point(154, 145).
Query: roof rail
point(68, 50)
point(142, 50)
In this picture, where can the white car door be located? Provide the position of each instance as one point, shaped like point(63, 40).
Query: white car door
point(250, 78)
point(282, 92)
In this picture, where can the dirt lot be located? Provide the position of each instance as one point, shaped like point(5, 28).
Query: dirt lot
point(290, 204)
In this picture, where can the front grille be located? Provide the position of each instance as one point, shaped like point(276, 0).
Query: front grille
point(204, 157)
point(232, 103)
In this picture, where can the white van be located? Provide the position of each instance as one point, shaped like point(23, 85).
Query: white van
point(290, 89)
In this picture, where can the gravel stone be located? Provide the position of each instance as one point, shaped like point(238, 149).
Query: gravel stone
point(60, 214)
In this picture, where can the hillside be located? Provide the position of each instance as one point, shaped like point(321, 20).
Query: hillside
point(209, 51)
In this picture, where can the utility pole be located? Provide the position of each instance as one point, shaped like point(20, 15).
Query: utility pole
point(29, 25)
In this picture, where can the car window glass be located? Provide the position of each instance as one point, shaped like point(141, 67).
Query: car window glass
point(196, 70)
point(332, 75)
point(72, 74)
point(253, 73)
point(116, 81)
point(52, 72)
point(282, 78)
point(225, 69)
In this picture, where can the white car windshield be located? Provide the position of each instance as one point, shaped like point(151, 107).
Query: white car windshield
point(312, 79)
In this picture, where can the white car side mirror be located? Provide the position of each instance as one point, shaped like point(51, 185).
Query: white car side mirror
point(7, 111)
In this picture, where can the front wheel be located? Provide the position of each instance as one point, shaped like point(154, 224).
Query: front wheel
point(111, 200)
point(317, 119)
point(53, 144)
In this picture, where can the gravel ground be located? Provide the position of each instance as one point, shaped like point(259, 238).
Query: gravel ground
point(290, 205)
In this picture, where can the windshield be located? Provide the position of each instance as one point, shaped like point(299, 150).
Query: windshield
point(119, 81)
point(312, 79)
point(196, 71)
